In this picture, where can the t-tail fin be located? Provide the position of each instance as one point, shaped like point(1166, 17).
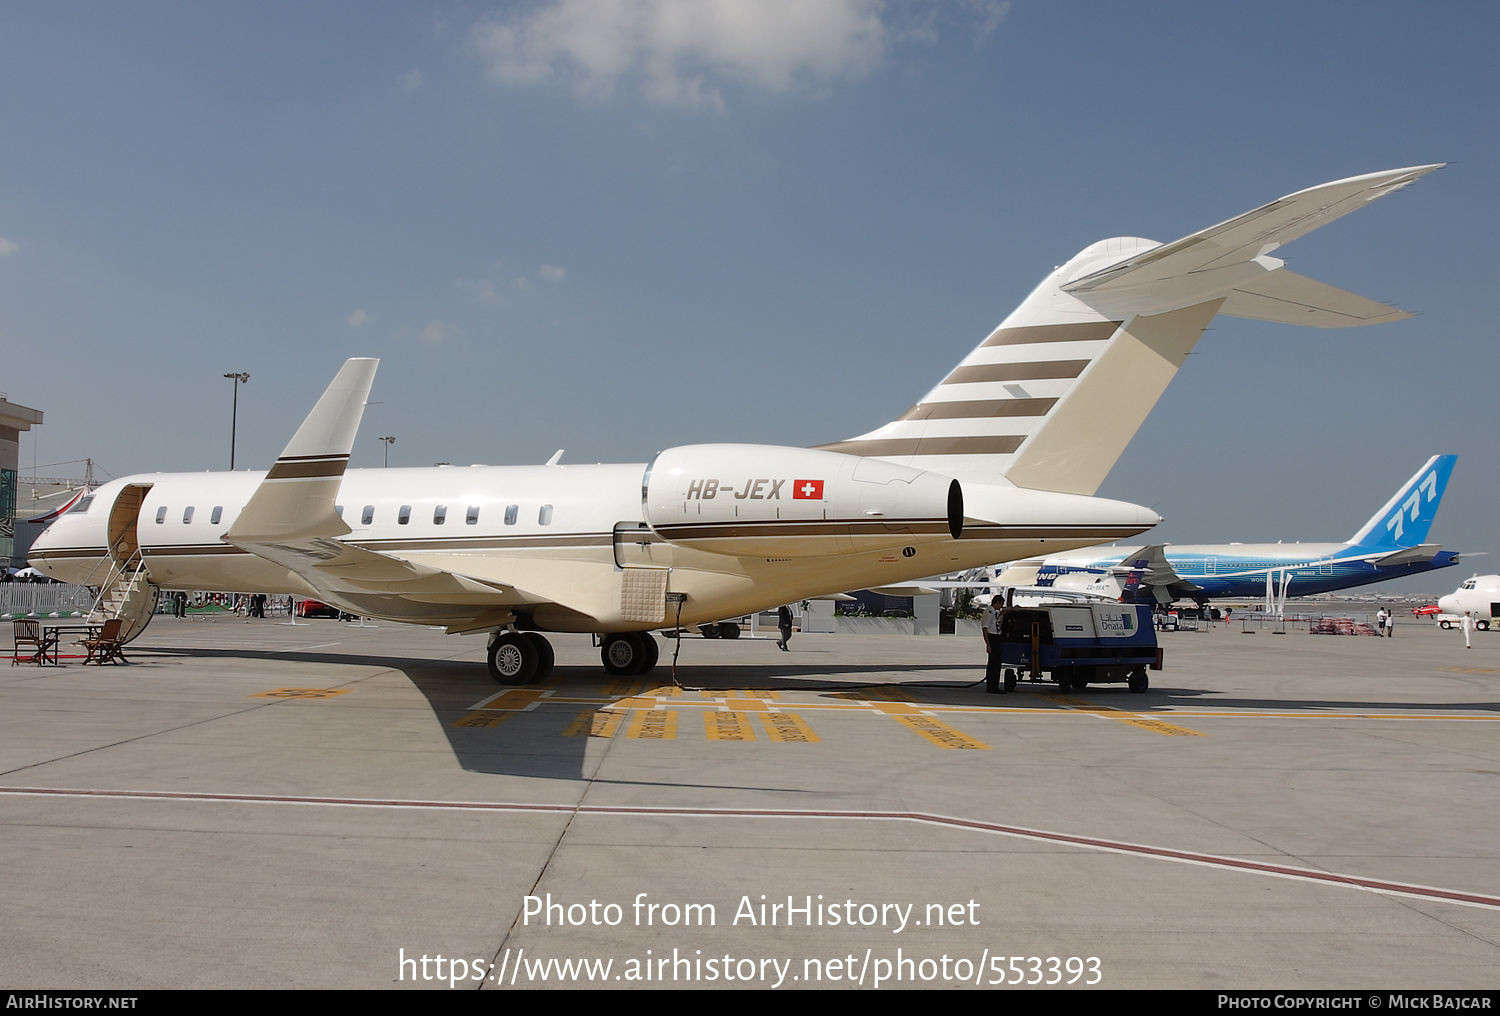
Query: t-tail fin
point(1050, 399)
point(1405, 519)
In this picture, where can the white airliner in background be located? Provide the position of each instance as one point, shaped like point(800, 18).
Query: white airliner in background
point(998, 462)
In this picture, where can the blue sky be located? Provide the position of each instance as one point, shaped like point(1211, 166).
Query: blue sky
point(622, 225)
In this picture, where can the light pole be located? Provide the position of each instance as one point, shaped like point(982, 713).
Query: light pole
point(234, 418)
point(388, 440)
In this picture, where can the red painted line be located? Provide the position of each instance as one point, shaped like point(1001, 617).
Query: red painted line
point(994, 828)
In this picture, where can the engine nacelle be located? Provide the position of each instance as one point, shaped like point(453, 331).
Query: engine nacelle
point(768, 501)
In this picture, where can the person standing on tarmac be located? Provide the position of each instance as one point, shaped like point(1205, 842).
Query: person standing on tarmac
point(784, 622)
point(989, 626)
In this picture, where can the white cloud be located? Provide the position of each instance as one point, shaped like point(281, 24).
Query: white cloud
point(482, 290)
point(8, 247)
point(434, 332)
point(412, 80)
point(680, 52)
point(551, 273)
point(357, 318)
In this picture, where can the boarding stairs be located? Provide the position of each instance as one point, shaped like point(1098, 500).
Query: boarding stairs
point(128, 594)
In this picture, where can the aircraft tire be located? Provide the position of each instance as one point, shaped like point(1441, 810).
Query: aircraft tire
point(622, 653)
point(1139, 682)
point(544, 657)
point(729, 630)
point(512, 658)
point(650, 652)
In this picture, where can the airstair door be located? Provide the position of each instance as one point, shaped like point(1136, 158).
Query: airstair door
point(124, 516)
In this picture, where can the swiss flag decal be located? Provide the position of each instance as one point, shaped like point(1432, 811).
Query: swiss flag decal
point(811, 490)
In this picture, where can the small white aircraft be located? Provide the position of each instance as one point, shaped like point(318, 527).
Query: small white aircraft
point(1478, 597)
point(997, 463)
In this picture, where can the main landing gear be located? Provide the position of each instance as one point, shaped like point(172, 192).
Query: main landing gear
point(629, 654)
point(525, 657)
point(519, 657)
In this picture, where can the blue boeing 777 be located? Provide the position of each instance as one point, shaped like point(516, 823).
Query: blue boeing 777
point(1388, 546)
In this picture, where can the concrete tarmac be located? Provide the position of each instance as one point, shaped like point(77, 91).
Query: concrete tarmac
point(254, 804)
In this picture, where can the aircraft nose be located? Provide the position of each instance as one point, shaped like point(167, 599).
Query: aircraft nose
point(1449, 604)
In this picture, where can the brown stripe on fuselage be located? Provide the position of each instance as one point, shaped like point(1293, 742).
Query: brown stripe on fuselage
point(762, 528)
point(1002, 444)
point(1081, 332)
point(979, 409)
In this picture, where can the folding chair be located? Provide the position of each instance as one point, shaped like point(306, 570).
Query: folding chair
point(109, 646)
point(30, 635)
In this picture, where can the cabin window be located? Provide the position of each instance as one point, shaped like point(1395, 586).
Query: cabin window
point(404, 515)
point(82, 506)
point(544, 517)
point(161, 515)
point(338, 510)
point(187, 515)
point(472, 519)
point(440, 515)
point(511, 512)
point(368, 515)
point(217, 514)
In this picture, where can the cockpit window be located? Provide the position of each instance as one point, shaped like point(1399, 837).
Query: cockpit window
point(82, 505)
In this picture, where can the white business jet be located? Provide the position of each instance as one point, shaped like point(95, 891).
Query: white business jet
point(996, 463)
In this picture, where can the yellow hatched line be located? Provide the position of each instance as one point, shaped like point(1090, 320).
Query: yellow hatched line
point(653, 724)
point(939, 733)
point(484, 719)
point(514, 699)
point(594, 723)
point(302, 693)
point(728, 726)
point(1124, 716)
point(787, 728)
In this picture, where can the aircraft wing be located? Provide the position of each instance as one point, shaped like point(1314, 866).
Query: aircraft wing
point(291, 519)
point(1151, 561)
point(1234, 258)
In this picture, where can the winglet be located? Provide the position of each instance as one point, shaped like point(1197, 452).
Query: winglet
point(296, 499)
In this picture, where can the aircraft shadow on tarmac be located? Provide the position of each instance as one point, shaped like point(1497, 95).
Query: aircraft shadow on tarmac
point(535, 742)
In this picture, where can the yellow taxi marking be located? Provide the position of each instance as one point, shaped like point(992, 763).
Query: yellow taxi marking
point(745, 704)
point(739, 693)
point(514, 699)
point(655, 724)
point(1124, 716)
point(594, 723)
point(623, 689)
point(1471, 670)
point(662, 691)
point(939, 733)
point(483, 719)
point(787, 728)
point(639, 702)
point(895, 708)
point(728, 726)
point(308, 693)
point(1157, 726)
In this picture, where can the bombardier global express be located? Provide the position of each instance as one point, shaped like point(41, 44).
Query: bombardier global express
point(998, 462)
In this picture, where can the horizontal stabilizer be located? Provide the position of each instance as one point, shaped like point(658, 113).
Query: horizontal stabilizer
point(1208, 262)
point(1293, 299)
point(1408, 555)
